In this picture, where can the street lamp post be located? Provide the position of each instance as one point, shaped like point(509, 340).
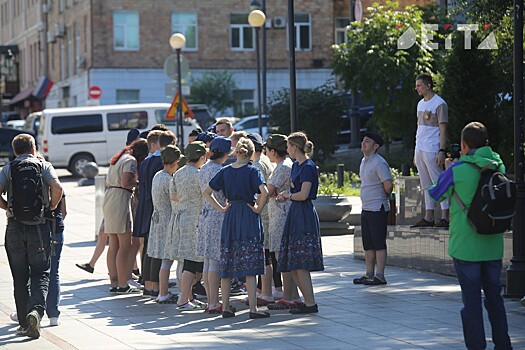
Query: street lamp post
point(291, 49)
point(177, 42)
point(257, 19)
point(256, 5)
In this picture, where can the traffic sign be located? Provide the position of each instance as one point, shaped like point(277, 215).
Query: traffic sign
point(170, 67)
point(171, 113)
point(95, 92)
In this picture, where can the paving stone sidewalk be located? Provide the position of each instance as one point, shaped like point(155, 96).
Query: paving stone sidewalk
point(416, 310)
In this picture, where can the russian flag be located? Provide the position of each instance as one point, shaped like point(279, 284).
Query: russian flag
point(42, 88)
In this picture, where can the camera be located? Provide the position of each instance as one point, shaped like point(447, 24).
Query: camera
point(455, 151)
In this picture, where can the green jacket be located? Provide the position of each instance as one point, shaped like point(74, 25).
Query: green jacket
point(464, 242)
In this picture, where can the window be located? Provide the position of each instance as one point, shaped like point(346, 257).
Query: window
point(126, 31)
point(127, 120)
point(341, 30)
point(242, 35)
point(245, 102)
point(75, 124)
point(128, 96)
point(160, 118)
point(303, 31)
point(186, 23)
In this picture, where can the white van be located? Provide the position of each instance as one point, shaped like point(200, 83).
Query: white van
point(71, 137)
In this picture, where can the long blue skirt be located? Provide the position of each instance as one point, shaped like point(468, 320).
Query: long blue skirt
point(242, 242)
point(301, 243)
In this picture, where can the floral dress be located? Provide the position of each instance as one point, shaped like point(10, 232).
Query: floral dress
point(210, 220)
point(301, 242)
point(186, 216)
point(277, 211)
point(242, 251)
point(160, 233)
point(266, 167)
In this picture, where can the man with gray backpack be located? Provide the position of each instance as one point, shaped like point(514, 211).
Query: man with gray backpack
point(33, 192)
point(476, 232)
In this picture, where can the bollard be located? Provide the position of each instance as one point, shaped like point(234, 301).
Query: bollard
point(100, 189)
point(405, 169)
point(340, 175)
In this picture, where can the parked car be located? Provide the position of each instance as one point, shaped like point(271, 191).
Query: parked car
point(15, 124)
point(9, 115)
point(6, 150)
point(250, 124)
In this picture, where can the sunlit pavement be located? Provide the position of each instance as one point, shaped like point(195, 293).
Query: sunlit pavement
point(416, 310)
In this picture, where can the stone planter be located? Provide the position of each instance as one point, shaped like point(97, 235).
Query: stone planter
point(332, 208)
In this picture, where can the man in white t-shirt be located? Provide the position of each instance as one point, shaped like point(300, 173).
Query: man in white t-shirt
point(431, 140)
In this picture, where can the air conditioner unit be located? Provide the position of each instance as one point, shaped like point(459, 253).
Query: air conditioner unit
point(46, 8)
point(51, 37)
point(279, 22)
point(81, 62)
point(60, 31)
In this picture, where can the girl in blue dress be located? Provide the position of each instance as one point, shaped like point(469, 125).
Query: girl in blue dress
point(301, 250)
point(242, 241)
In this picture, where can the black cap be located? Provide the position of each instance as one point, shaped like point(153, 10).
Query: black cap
point(377, 139)
point(133, 134)
point(257, 141)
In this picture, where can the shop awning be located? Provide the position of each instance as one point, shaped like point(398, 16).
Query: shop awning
point(22, 96)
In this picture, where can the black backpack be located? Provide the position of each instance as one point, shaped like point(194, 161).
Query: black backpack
point(27, 201)
point(494, 203)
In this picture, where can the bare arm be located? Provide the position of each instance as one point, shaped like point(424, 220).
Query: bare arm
point(55, 190)
point(208, 194)
point(388, 186)
point(63, 207)
point(3, 204)
point(261, 200)
point(301, 195)
point(272, 190)
point(440, 159)
point(128, 180)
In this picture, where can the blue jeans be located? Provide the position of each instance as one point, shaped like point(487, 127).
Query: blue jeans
point(28, 251)
point(53, 296)
point(473, 277)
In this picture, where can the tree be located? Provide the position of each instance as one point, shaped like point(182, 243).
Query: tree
point(372, 64)
point(214, 89)
point(319, 116)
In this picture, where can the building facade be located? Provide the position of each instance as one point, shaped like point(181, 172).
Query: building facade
point(121, 45)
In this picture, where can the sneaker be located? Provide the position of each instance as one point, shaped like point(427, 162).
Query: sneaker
point(128, 290)
point(198, 289)
point(135, 284)
point(54, 321)
point(277, 295)
point(442, 223)
point(86, 267)
point(154, 294)
point(423, 223)
point(362, 279)
point(14, 316)
point(190, 307)
point(33, 324)
point(198, 302)
point(21, 331)
point(113, 290)
point(376, 281)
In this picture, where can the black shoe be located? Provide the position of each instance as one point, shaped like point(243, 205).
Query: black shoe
point(172, 284)
point(86, 267)
point(442, 223)
point(423, 223)
point(376, 281)
point(305, 310)
point(33, 325)
point(154, 294)
point(228, 314)
point(113, 290)
point(128, 290)
point(362, 279)
point(255, 315)
point(199, 289)
point(237, 288)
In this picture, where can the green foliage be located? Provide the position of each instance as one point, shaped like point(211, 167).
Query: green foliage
point(319, 114)
point(328, 184)
point(215, 89)
point(372, 64)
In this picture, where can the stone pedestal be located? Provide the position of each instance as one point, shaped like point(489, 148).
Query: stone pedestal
point(410, 201)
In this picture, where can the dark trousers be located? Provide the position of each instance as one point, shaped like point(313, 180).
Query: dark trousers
point(150, 266)
point(473, 277)
point(28, 251)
